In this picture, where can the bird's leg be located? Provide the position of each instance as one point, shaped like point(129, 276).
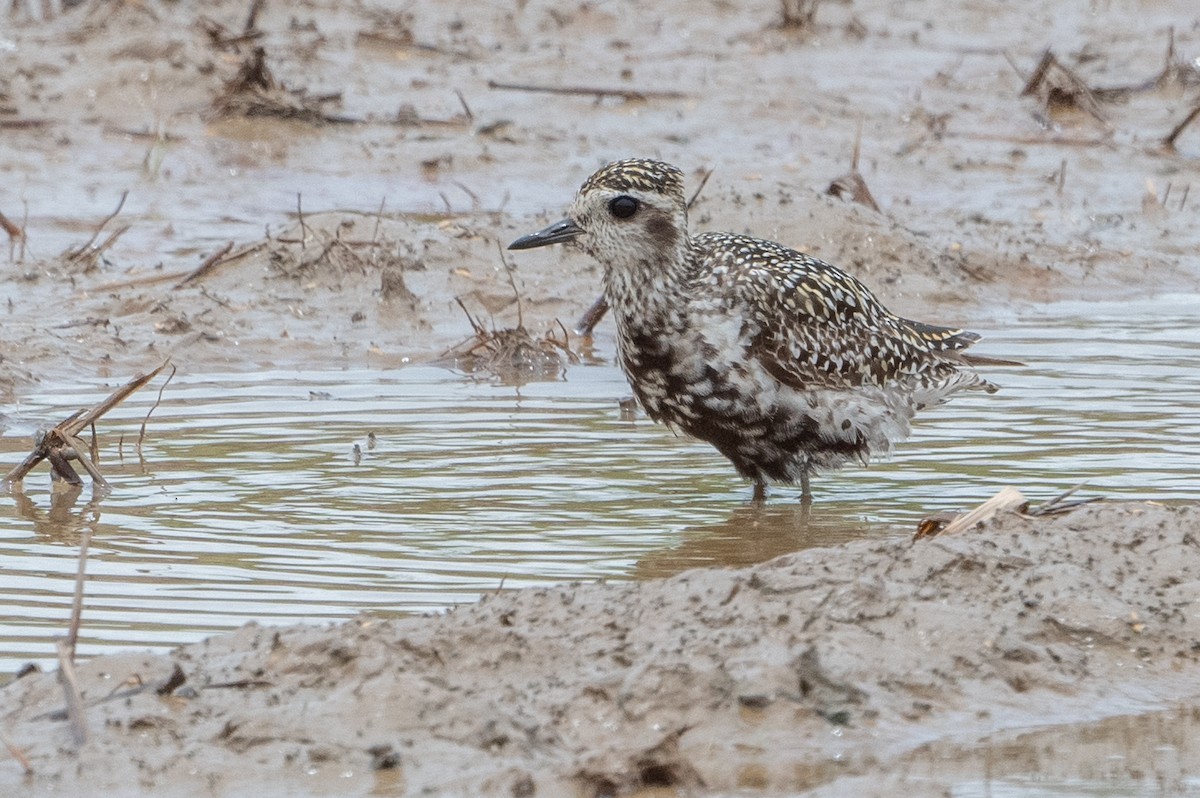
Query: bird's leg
point(760, 492)
point(805, 489)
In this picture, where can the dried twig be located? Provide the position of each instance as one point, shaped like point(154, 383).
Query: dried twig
point(598, 92)
point(378, 221)
point(303, 227)
point(71, 694)
point(86, 250)
point(408, 43)
point(853, 184)
point(153, 407)
point(1057, 85)
point(206, 266)
point(512, 283)
point(592, 316)
point(1060, 503)
point(149, 279)
point(62, 443)
point(252, 17)
point(696, 194)
point(1168, 141)
point(466, 108)
point(17, 754)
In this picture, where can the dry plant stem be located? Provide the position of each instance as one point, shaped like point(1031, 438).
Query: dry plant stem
point(66, 433)
point(591, 317)
point(17, 754)
point(466, 108)
point(147, 280)
point(66, 647)
point(596, 91)
point(252, 16)
point(89, 466)
point(401, 43)
point(153, 407)
point(13, 231)
point(1009, 498)
point(121, 204)
point(115, 398)
point(703, 182)
point(72, 639)
point(303, 227)
point(1050, 76)
point(375, 233)
point(1169, 140)
point(208, 265)
point(71, 694)
point(512, 283)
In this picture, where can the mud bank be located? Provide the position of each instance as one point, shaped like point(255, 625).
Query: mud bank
point(407, 142)
point(808, 671)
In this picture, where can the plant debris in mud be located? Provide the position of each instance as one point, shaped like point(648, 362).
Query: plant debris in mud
point(1008, 499)
point(853, 185)
point(1058, 88)
point(511, 355)
point(253, 91)
point(62, 444)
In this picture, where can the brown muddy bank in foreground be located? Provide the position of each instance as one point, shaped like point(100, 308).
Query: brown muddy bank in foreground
point(825, 669)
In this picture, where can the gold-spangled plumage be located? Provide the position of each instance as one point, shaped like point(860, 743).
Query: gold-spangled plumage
point(784, 363)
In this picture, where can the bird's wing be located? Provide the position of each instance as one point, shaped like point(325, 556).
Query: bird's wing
point(814, 326)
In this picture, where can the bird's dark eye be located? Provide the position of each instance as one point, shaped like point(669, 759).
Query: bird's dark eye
point(623, 206)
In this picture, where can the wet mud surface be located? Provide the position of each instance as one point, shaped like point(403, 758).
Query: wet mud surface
point(822, 670)
point(334, 200)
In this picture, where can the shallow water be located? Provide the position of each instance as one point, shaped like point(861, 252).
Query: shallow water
point(247, 502)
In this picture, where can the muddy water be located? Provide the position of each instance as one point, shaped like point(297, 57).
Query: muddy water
point(248, 501)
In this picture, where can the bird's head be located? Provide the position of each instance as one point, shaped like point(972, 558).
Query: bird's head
point(627, 214)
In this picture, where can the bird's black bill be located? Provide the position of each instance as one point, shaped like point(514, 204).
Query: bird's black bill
point(557, 233)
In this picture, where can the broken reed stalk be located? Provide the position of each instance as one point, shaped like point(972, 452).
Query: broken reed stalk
point(303, 227)
point(592, 316)
point(466, 108)
point(207, 265)
point(86, 248)
point(703, 182)
point(1168, 141)
point(63, 440)
point(13, 231)
point(596, 91)
point(153, 407)
point(66, 648)
point(71, 694)
point(512, 283)
point(17, 754)
point(252, 16)
point(1008, 498)
point(853, 183)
